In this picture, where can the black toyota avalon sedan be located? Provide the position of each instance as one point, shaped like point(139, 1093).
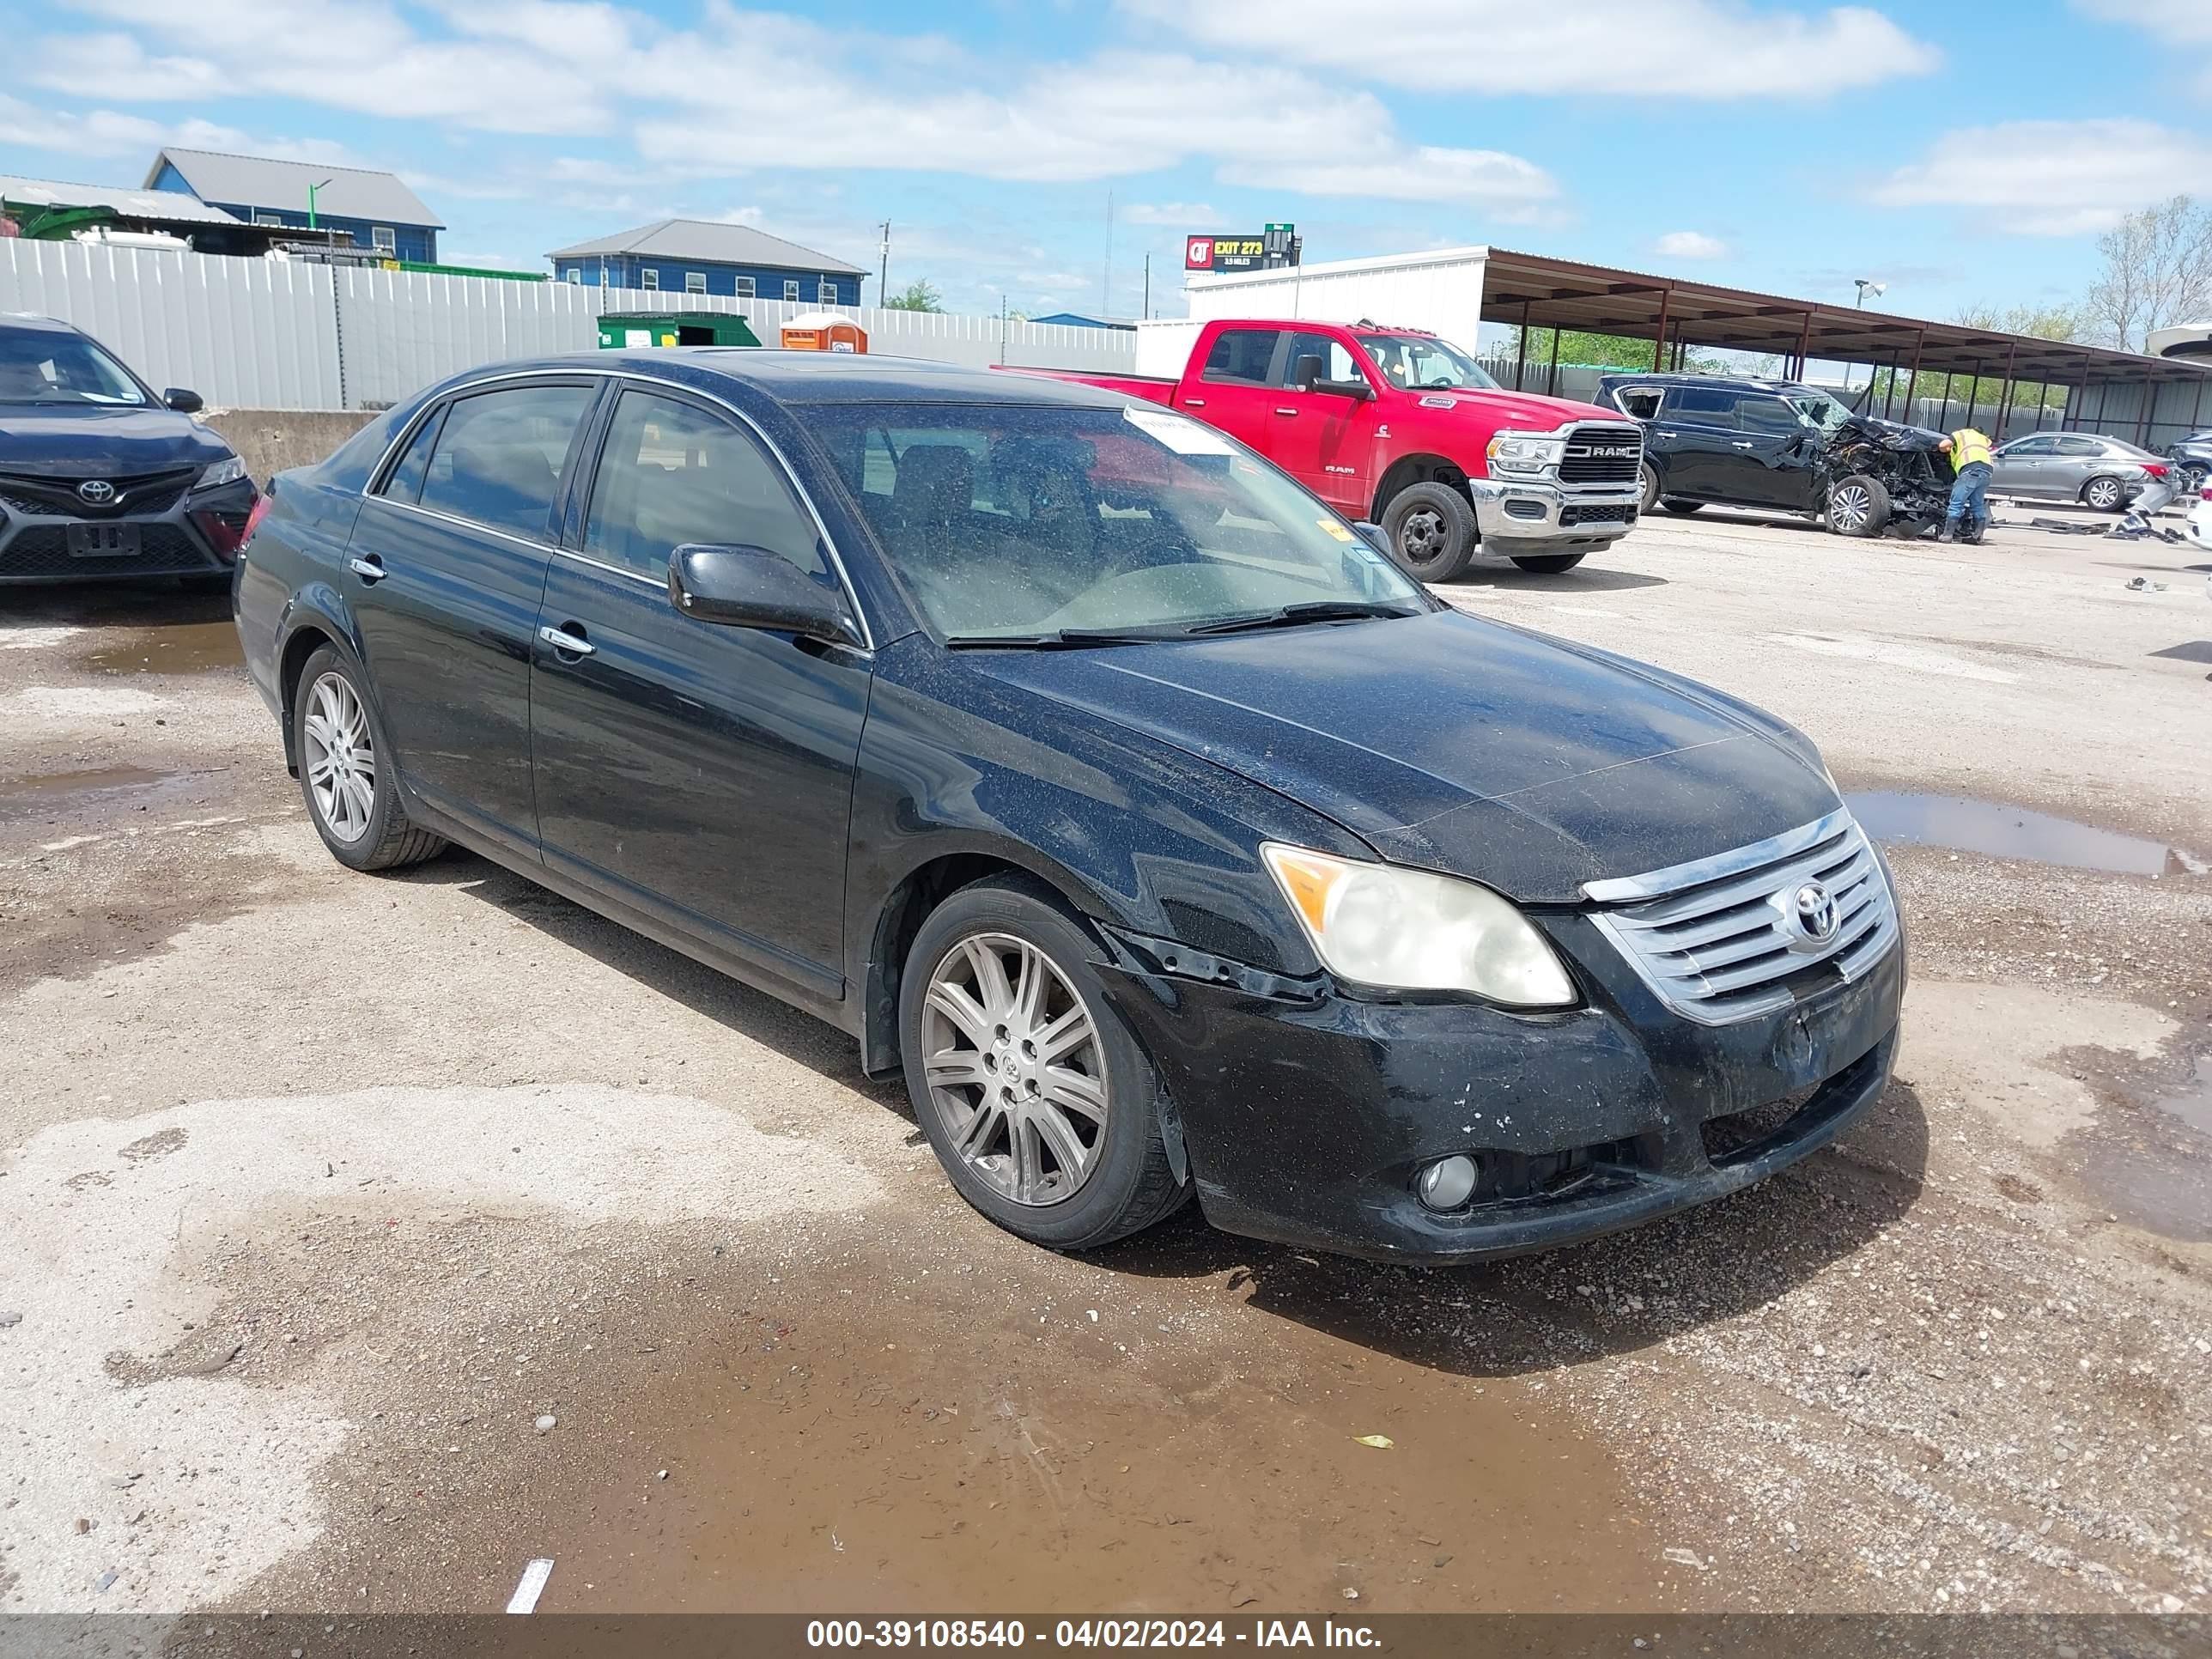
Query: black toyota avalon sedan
point(100, 478)
point(1096, 779)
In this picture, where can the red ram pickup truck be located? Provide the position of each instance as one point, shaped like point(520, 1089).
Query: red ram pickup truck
point(1404, 429)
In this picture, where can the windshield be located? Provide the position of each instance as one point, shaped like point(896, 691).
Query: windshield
point(1013, 522)
point(1421, 362)
point(1821, 410)
point(43, 366)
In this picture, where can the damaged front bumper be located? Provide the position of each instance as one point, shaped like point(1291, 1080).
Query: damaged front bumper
point(1531, 515)
point(1308, 1115)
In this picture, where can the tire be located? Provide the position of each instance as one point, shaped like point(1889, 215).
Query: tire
point(1548, 564)
point(2104, 494)
point(1676, 504)
point(1650, 496)
point(1122, 1181)
point(1858, 506)
point(1431, 532)
point(2192, 478)
point(376, 836)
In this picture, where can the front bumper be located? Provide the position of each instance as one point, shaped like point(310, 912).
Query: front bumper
point(36, 546)
point(1535, 515)
point(2199, 527)
point(1307, 1115)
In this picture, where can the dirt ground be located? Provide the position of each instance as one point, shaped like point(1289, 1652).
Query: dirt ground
point(362, 1239)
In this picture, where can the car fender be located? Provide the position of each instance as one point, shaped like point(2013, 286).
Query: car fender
point(318, 606)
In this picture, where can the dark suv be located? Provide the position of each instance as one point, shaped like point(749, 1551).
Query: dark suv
point(1747, 443)
point(101, 478)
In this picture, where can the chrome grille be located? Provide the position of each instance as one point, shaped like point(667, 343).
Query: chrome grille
point(1718, 940)
point(1582, 464)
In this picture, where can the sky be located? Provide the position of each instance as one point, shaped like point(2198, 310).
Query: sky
point(1034, 153)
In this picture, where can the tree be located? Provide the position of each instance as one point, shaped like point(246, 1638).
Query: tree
point(919, 296)
point(2157, 272)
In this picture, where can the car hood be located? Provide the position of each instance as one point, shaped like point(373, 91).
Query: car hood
point(1458, 744)
point(1523, 410)
point(91, 441)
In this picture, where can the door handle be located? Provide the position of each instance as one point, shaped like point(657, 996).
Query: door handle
point(370, 569)
point(569, 644)
point(1738, 443)
point(1194, 403)
point(1291, 412)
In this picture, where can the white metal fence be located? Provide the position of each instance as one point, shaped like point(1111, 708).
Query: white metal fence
point(257, 334)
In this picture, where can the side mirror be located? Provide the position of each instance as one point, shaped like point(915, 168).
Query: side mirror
point(1372, 534)
point(1356, 389)
point(751, 587)
point(184, 402)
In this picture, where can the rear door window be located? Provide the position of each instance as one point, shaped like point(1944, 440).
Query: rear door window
point(499, 457)
point(1708, 406)
point(2086, 447)
point(1241, 356)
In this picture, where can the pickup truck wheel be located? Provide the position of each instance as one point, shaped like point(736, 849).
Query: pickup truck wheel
point(1676, 504)
point(1549, 564)
point(1431, 532)
point(1858, 506)
point(2105, 494)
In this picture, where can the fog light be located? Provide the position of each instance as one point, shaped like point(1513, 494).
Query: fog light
point(1447, 1183)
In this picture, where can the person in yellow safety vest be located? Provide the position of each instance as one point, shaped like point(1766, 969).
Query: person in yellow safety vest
point(1968, 514)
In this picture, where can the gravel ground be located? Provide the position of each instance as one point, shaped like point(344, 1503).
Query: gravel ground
point(320, 1195)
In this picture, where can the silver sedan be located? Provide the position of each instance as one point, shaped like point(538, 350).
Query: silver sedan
point(2105, 473)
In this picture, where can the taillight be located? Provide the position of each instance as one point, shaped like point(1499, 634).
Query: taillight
point(227, 532)
point(254, 518)
point(2206, 492)
point(2154, 469)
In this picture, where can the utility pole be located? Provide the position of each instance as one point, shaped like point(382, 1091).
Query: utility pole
point(883, 277)
point(1106, 290)
point(1145, 310)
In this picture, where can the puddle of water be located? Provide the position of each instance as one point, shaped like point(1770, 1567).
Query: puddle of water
point(2193, 1105)
point(201, 648)
point(2014, 832)
point(43, 792)
point(2154, 1168)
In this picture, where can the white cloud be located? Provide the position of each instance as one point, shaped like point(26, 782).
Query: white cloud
point(2186, 24)
point(744, 91)
point(1690, 244)
point(105, 133)
point(1178, 213)
point(2049, 178)
point(1720, 49)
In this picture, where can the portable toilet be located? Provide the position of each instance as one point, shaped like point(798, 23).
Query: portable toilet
point(823, 330)
point(621, 331)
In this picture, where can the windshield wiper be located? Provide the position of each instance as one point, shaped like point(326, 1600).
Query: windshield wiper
point(1062, 639)
point(1316, 610)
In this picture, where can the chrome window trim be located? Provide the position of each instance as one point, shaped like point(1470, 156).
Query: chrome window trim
point(659, 583)
point(459, 522)
point(1656, 883)
point(377, 476)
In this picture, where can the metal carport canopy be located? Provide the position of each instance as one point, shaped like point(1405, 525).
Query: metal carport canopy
point(1533, 290)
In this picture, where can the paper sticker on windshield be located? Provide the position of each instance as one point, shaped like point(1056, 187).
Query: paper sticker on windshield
point(1182, 436)
point(1331, 527)
point(1439, 403)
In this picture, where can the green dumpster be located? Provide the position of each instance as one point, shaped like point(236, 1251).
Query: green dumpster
point(622, 330)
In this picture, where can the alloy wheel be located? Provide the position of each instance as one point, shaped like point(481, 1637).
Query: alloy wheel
point(2104, 494)
point(339, 757)
point(1015, 1068)
point(1849, 507)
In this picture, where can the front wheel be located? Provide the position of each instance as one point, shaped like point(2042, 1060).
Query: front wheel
point(1430, 530)
point(1035, 1097)
point(1548, 564)
point(2105, 494)
point(1859, 506)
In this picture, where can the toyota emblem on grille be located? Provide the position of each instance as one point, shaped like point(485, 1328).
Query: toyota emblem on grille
point(96, 492)
point(1810, 912)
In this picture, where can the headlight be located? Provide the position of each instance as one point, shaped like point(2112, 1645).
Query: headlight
point(1408, 930)
point(222, 472)
point(1524, 451)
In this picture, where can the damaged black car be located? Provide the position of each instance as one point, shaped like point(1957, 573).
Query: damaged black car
point(1782, 447)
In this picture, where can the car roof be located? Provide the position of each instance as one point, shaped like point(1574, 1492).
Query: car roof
point(32, 322)
point(817, 377)
point(1630, 377)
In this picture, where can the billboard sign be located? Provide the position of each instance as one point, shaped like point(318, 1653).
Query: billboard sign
point(1268, 250)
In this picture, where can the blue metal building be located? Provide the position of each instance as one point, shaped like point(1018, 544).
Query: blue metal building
point(698, 256)
point(372, 208)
